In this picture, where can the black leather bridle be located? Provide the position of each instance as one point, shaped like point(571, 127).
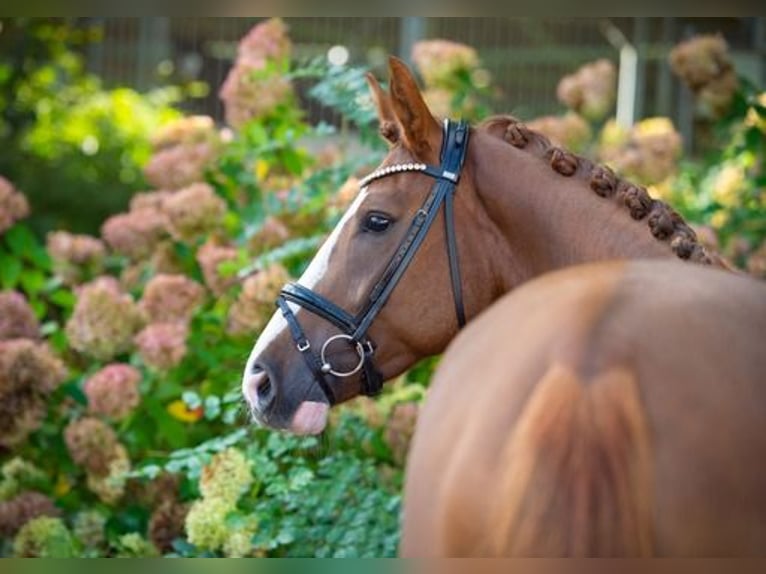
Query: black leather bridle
point(354, 327)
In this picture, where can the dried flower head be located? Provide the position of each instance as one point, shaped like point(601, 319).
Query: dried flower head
point(17, 319)
point(255, 304)
point(44, 537)
point(256, 86)
point(438, 61)
point(181, 165)
point(92, 444)
point(13, 205)
point(570, 131)
point(29, 372)
point(162, 346)
point(591, 91)
point(110, 487)
point(704, 64)
point(210, 258)
point(167, 524)
point(113, 391)
point(185, 130)
point(25, 506)
point(226, 477)
point(206, 523)
point(169, 298)
point(88, 528)
point(76, 258)
point(103, 321)
point(194, 211)
point(135, 234)
point(400, 428)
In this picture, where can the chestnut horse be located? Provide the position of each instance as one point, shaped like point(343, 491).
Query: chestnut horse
point(515, 208)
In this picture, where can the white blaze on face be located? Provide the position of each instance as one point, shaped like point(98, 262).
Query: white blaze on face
point(310, 278)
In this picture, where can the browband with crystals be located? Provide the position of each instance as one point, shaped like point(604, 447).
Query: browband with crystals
point(354, 327)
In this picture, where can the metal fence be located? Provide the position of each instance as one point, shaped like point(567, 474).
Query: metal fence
point(526, 57)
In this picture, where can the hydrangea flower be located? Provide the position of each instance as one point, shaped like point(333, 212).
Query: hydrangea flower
point(110, 487)
point(206, 523)
point(16, 512)
point(103, 321)
point(181, 165)
point(649, 154)
point(169, 298)
point(134, 234)
point(133, 545)
point(13, 205)
point(166, 524)
point(226, 477)
point(44, 537)
point(17, 319)
point(569, 131)
point(162, 345)
point(194, 211)
point(255, 303)
point(113, 391)
point(185, 130)
point(210, 257)
point(29, 373)
point(591, 91)
point(92, 444)
point(400, 428)
point(438, 61)
point(255, 85)
point(75, 257)
point(704, 64)
point(88, 528)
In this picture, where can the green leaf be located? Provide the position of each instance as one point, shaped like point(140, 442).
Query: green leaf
point(10, 271)
point(21, 240)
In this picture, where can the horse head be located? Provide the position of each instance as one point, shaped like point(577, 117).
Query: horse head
point(383, 291)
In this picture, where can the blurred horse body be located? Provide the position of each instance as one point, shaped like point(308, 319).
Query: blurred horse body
point(611, 409)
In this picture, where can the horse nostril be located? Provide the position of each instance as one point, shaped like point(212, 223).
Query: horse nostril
point(260, 388)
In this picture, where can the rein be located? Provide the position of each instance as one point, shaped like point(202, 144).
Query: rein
point(354, 327)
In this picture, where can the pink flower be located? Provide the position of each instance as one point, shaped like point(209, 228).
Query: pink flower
point(104, 320)
point(189, 129)
point(75, 257)
point(13, 205)
point(92, 444)
point(152, 200)
point(113, 391)
point(134, 234)
point(162, 345)
point(29, 373)
point(17, 319)
point(180, 165)
point(255, 304)
point(252, 88)
point(210, 257)
point(169, 298)
point(194, 211)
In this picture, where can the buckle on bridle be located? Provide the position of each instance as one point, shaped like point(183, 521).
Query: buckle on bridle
point(327, 367)
point(304, 345)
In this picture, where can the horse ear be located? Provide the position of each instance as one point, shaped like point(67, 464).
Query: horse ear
point(388, 126)
point(420, 130)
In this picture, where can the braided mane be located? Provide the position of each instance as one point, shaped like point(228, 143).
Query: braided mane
point(665, 224)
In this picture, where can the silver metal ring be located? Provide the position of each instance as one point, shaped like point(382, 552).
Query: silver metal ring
point(327, 368)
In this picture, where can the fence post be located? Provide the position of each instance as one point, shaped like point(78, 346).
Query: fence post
point(412, 30)
point(153, 47)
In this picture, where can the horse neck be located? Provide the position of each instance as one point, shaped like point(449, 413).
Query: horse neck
point(548, 220)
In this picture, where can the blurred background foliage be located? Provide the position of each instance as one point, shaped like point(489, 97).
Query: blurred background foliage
point(142, 246)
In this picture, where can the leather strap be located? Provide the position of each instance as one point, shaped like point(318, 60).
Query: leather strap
point(447, 175)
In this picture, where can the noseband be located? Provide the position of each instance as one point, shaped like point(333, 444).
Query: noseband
point(354, 327)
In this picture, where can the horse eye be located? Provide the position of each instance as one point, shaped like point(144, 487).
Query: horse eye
point(376, 222)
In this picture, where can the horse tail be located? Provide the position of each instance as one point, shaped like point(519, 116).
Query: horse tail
point(577, 476)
